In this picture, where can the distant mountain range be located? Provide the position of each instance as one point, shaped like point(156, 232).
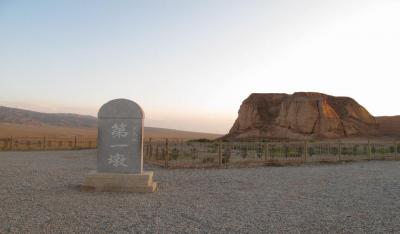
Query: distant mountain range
point(20, 122)
point(20, 116)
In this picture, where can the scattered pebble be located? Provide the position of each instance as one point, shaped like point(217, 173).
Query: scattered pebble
point(39, 193)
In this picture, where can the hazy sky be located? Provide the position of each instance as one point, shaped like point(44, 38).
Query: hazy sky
point(190, 64)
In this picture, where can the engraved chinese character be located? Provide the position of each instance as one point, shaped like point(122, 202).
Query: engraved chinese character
point(119, 131)
point(117, 160)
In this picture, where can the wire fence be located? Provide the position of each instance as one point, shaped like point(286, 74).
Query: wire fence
point(47, 143)
point(181, 153)
point(225, 154)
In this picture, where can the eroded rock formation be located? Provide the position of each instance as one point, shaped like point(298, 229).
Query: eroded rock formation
point(301, 115)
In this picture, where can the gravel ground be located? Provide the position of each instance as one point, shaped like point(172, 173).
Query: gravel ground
point(39, 193)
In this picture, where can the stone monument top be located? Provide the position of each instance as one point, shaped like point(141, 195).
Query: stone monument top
point(121, 108)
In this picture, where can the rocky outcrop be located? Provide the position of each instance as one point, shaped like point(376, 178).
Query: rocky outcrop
point(301, 115)
point(389, 126)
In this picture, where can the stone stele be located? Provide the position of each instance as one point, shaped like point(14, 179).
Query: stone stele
point(120, 150)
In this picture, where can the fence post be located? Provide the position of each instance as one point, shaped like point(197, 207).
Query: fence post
point(146, 155)
point(12, 143)
point(266, 152)
point(305, 151)
point(369, 150)
point(329, 149)
point(150, 149)
point(75, 143)
point(44, 143)
point(227, 155)
point(219, 154)
point(395, 150)
point(166, 155)
point(340, 151)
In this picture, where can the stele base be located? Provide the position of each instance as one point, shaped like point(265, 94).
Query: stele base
point(113, 182)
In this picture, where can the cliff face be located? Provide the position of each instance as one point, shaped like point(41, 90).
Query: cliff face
point(301, 115)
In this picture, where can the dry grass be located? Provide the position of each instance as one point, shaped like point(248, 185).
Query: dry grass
point(171, 133)
point(24, 130)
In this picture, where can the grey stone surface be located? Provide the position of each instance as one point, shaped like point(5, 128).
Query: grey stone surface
point(120, 137)
point(39, 193)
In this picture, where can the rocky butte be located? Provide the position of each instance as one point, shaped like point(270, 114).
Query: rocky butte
point(302, 115)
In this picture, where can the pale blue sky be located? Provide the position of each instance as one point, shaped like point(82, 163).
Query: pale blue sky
point(190, 64)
